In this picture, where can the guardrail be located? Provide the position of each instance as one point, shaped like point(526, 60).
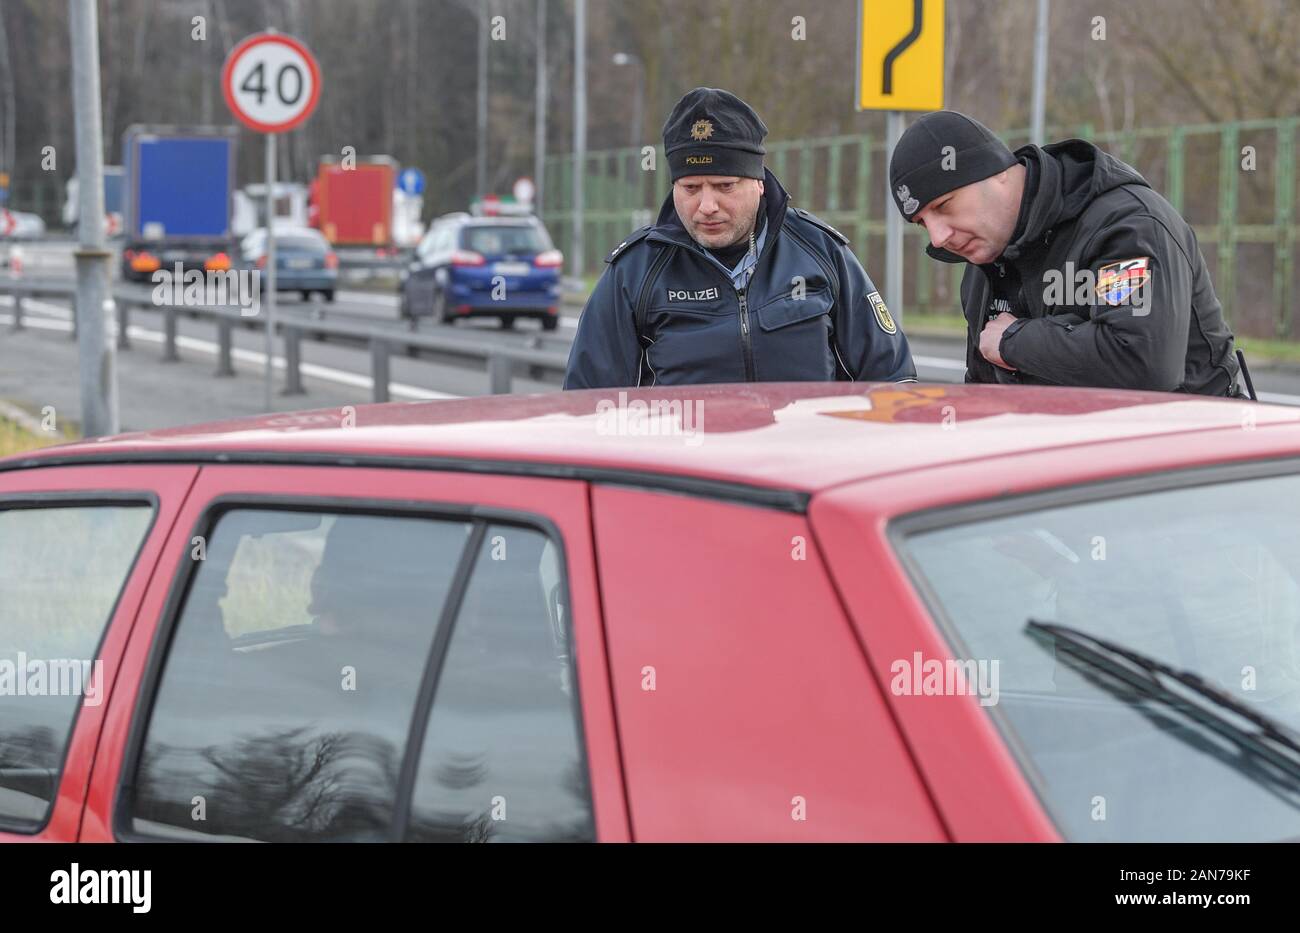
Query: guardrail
point(499, 361)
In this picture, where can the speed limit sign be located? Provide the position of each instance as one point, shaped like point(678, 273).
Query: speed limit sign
point(271, 82)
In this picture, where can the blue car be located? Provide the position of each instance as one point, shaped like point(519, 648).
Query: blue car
point(502, 267)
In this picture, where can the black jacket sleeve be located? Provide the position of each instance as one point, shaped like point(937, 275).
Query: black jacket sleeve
point(1134, 341)
point(605, 351)
point(872, 345)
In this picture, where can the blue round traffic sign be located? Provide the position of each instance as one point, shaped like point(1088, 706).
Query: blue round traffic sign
point(411, 180)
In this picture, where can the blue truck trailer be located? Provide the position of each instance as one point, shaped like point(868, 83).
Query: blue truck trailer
point(179, 185)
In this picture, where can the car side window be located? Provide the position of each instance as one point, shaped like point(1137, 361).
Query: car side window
point(62, 569)
point(429, 245)
point(307, 646)
point(291, 679)
point(446, 240)
point(502, 759)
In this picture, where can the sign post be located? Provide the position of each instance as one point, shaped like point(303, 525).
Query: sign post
point(271, 83)
point(900, 68)
point(524, 190)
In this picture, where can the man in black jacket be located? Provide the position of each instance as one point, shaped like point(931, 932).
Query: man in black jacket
point(1078, 273)
point(732, 284)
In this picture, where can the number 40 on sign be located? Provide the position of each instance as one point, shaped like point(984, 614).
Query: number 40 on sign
point(271, 82)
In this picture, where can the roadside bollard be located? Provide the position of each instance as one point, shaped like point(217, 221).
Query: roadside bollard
point(500, 374)
point(225, 367)
point(169, 336)
point(293, 361)
point(379, 369)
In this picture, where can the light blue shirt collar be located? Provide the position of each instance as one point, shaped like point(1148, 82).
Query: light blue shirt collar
point(744, 270)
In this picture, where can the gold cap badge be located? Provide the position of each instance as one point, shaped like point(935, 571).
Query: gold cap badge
point(701, 129)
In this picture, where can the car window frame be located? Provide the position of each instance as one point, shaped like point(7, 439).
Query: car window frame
point(479, 518)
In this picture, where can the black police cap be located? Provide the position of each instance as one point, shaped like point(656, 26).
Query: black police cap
point(714, 132)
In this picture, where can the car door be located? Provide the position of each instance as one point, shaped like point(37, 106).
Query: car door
point(346, 653)
point(78, 545)
point(418, 274)
point(747, 709)
point(423, 281)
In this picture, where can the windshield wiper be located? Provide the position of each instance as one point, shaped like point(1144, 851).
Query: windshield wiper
point(1274, 740)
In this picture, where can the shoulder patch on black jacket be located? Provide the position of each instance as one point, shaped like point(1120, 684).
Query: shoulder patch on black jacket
point(636, 237)
point(817, 221)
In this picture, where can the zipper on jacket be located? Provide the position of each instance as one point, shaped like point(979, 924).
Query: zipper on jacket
point(746, 344)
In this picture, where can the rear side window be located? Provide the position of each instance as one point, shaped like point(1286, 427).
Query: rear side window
point(501, 758)
point(304, 659)
point(499, 240)
point(61, 572)
point(302, 242)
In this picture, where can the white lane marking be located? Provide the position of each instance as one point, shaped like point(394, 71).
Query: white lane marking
point(377, 298)
point(62, 322)
point(938, 362)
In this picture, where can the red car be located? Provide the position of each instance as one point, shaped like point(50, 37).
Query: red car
point(763, 612)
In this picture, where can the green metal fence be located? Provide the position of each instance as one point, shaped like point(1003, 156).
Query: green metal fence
point(1240, 201)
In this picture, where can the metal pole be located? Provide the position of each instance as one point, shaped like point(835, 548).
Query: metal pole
point(480, 168)
point(1036, 132)
point(638, 104)
point(94, 350)
point(893, 225)
point(268, 293)
point(539, 145)
point(579, 128)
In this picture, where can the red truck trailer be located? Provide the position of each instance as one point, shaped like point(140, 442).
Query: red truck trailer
point(353, 206)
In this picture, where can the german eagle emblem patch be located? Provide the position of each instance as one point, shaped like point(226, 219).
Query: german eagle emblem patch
point(883, 317)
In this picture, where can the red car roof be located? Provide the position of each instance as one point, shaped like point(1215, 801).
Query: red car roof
point(791, 436)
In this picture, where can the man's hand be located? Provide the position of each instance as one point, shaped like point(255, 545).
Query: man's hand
point(991, 338)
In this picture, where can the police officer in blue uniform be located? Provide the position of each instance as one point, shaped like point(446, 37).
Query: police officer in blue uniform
point(732, 284)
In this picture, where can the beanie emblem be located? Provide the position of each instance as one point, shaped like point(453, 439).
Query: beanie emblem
point(701, 129)
point(905, 198)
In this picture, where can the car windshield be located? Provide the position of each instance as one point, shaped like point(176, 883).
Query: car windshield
point(504, 240)
point(1205, 580)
